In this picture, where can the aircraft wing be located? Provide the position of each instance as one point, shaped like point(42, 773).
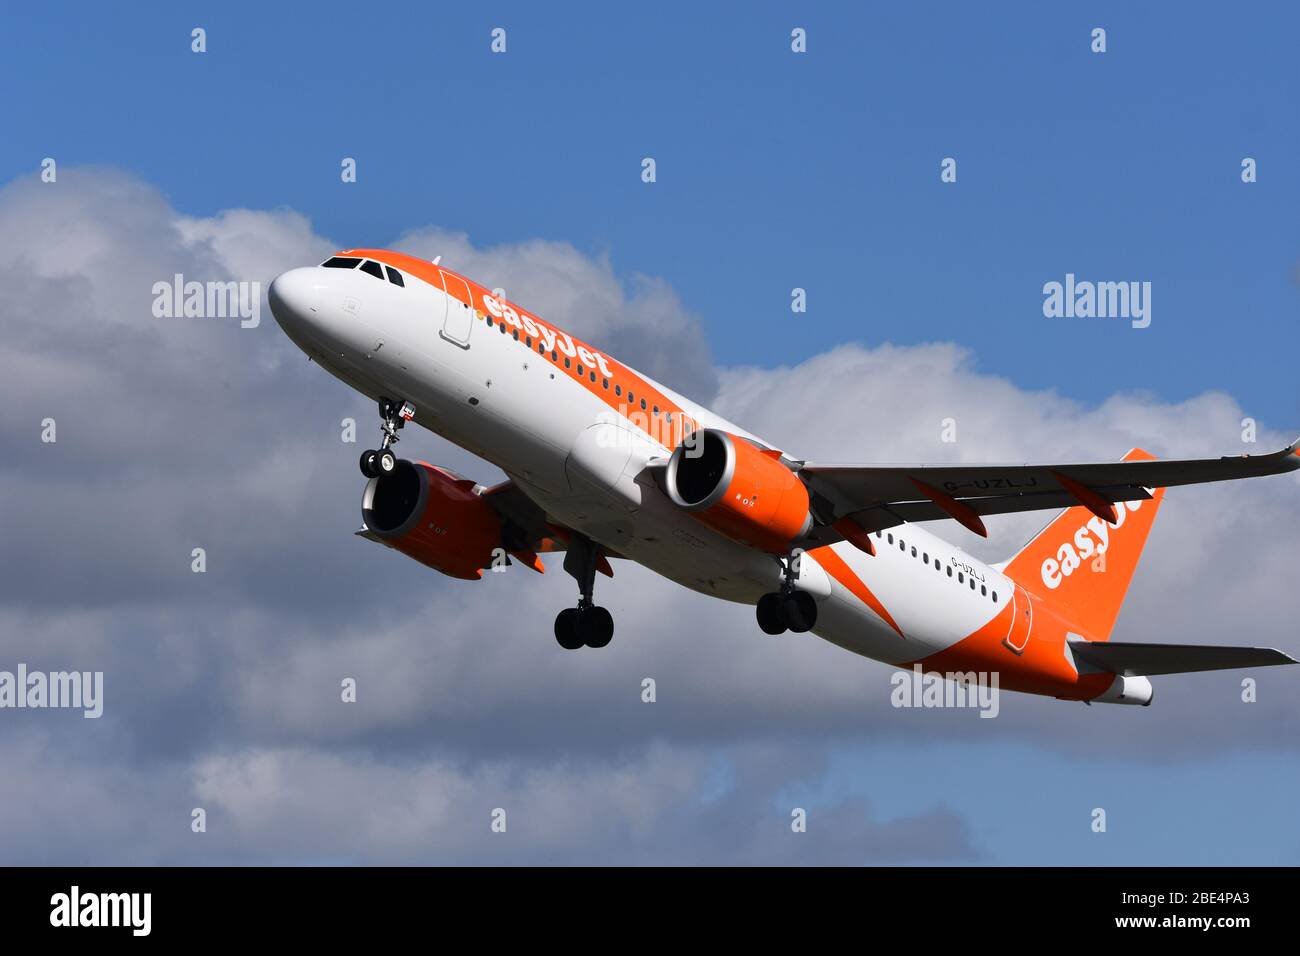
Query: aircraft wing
point(875, 497)
point(1148, 660)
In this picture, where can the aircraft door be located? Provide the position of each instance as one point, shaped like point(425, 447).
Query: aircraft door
point(459, 319)
point(1022, 621)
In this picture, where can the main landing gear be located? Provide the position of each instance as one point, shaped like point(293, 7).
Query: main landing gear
point(382, 461)
point(585, 625)
point(788, 609)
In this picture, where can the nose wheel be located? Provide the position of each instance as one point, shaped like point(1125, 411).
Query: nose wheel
point(394, 415)
point(586, 625)
point(788, 609)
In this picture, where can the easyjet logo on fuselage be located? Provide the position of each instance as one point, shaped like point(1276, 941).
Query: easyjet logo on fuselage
point(1092, 538)
point(553, 339)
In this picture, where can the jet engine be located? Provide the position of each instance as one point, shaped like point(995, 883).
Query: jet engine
point(433, 516)
point(743, 491)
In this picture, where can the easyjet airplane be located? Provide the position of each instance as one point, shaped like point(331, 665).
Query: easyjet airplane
point(604, 462)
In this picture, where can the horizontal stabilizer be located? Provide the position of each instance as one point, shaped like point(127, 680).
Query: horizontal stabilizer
point(1147, 660)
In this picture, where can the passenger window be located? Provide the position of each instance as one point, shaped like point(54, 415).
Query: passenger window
point(891, 537)
point(372, 268)
point(972, 584)
point(656, 411)
point(490, 322)
point(995, 597)
point(340, 262)
point(567, 363)
point(983, 590)
point(515, 333)
point(960, 578)
point(902, 545)
point(631, 399)
point(593, 376)
point(604, 383)
point(937, 566)
point(914, 551)
point(394, 276)
point(925, 556)
point(555, 356)
point(618, 389)
point(950, 570)
point(643, 404)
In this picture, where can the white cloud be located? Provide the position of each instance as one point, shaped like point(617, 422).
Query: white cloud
point(175, 434)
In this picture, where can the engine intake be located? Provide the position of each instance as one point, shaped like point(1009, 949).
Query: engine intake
point(738, 489)
point(433, 516)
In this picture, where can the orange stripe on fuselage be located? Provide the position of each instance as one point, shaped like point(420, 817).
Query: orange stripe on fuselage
point(839, 569)
point(659, 427)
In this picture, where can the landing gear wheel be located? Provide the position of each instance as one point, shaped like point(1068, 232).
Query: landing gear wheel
point(771, 616)
point(800, 611)
point(585, 624)
point(369, 465)
point(596, 625)
point(385, 461)
point(566, 629)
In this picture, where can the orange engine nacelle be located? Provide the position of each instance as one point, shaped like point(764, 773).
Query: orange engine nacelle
point(433, 516)
point(735, 488)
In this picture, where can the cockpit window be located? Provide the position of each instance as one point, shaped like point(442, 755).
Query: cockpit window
point(394, 276)
point(340, 262)
point(373, 269)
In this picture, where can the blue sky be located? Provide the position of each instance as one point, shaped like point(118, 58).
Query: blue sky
point(774, 171)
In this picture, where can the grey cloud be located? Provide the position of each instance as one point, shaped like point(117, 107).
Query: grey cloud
point(225, 686)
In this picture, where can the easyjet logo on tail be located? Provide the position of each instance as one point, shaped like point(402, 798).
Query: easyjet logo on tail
point(1092, 538)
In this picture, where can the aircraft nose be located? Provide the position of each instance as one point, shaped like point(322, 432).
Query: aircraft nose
point(294, 297)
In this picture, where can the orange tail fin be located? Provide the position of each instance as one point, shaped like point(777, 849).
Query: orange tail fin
point(1082, 564)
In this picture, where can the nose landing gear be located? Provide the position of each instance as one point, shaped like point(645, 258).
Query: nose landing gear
point(585, 625)
point(382, 461)
point(789, 609)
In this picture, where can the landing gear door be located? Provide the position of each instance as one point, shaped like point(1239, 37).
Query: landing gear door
point(459, 319)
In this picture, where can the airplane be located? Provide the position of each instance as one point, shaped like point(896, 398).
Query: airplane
point(603, 462)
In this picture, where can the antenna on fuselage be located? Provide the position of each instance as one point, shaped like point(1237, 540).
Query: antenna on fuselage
point(437, 259)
